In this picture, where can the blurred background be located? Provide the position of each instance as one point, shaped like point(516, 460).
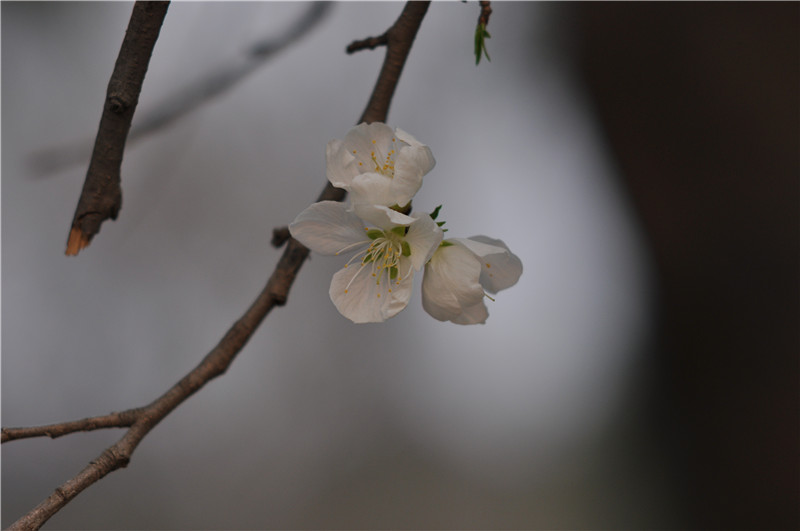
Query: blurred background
point(641, 160)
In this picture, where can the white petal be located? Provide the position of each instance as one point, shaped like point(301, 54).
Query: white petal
point(476, 314)
point(327, 228)
point(381, 216)
point(407, 138)
point(500, 268)
point(372, 189)
point(364, 138)
point(412, 163)
point(423, 238)
point(341, 166)
point(362, 299)
point(450, 284)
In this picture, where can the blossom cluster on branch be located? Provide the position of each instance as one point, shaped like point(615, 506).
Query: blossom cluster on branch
point(382, 169)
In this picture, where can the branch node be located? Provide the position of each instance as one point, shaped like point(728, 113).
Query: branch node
point(486, 11)
point(280, 235)
point(117, 105)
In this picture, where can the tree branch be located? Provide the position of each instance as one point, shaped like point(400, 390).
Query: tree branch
point(123, 419)
point(216, 362)
point(101, 197)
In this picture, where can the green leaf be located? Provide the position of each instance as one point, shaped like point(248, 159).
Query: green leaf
point(445, 243)
point(400, 230)
point(480, 43)
point(435, 212)
point(392, 273)
point(374, 233)
point(406, 248)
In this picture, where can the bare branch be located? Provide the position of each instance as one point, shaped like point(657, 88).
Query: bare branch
point(194, 94)
point(101, 197)
point(275, 293)
point(123, 419)
point(369, 43)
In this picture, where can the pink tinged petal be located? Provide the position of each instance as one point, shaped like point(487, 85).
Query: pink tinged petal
point(327, 228)
point(364, 298)
point(450, 284)
point(423, 238)
point(381, 216)
point(500, 268)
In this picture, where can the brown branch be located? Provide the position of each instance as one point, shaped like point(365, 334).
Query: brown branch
point(122, 419)
point(216, 362)
point(486, 11)
point(370, 43)
point(101, 197)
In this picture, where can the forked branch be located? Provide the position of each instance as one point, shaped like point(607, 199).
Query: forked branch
point(400, 37)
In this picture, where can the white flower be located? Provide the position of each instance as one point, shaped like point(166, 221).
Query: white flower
point(461, 271)
point(378, 166)
point(376, 282)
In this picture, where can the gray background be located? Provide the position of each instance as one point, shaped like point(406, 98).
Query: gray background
point(523, 422)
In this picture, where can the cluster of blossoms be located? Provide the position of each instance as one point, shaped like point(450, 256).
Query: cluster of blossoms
point(382, 170)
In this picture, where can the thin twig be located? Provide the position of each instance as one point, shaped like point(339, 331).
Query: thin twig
point(275, 293)
point(194, 94)
point(122, 419)
point(370, 43)
point(101, 197)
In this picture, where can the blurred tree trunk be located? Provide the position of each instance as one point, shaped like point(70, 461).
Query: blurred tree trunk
point(700, 105)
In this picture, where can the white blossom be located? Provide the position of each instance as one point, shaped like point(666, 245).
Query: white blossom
point(376, 282)
point(378, 166)
point(461, 272)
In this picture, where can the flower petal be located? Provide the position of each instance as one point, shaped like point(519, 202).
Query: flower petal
point(373, 189)
point(500, 268)
point(450, 284)
point(423, 238)
point(328, 228)
point(476, 314)
point(381, 216)
point(412, 163)
point(341, 165)
point(363, 298)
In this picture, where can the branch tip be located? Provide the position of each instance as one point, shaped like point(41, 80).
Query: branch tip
point(77, 240)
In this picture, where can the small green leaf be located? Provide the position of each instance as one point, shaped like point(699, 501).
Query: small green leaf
point(440, 223)
point(435, 212)
point(406, 248)
point(393, 273)
point(445, 243)
point(374, 233)
point(480, 42)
